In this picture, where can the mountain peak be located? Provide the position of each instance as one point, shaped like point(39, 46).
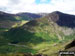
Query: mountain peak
point(63, 19)
point(57, 12)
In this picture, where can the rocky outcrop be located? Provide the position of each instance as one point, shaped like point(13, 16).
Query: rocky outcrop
point(71, 46)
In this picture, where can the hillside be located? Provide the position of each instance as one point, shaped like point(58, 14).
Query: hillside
point(8, 20)
point(56, 21)
point(54, 28)
point(46, 35)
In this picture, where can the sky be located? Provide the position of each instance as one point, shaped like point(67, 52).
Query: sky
point(37, 6)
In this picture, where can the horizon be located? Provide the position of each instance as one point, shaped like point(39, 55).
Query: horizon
point(36, 12)
point(37, 6)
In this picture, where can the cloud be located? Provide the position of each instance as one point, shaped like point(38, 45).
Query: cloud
point(15, 6)
point(67, 6)
point(3, 2)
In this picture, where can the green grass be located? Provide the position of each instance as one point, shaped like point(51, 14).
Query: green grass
point(3, 29)
point(20, 18)
point(19, 24)
point(43, 39)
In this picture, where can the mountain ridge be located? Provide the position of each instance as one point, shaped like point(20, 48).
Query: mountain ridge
point(7, 20)
point(61, 19)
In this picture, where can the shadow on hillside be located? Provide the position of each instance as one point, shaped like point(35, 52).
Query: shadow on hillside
point(32, 23)
point(7, 17)
point(66, 20)
point(70, 45)
point(18, 35)
point(63, 19)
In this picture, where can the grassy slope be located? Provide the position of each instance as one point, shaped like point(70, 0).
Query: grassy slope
point(4, 40)
point(46, 38)
point(50, 31)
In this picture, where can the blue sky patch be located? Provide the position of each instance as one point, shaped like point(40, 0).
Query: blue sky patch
point(42, 1)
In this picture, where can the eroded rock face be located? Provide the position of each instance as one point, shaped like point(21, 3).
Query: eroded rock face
point(72, 44)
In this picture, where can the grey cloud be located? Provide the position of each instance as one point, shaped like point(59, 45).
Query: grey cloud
point(13, 2)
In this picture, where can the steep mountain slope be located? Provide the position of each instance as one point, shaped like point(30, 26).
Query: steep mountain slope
point(56, 22)
point(63, 19)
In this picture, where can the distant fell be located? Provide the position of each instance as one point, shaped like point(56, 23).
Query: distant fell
point(32, 15)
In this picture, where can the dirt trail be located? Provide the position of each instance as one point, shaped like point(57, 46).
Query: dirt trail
point(18, 45)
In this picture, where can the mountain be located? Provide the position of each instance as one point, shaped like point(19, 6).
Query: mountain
point(56, 27)
point(43, 14)
point(30, 15)
point(63, 19)
point(47, 35)
point(46, 28)
point(23, 16)
point(8, 20)
point(57, 20)
point(6, 16)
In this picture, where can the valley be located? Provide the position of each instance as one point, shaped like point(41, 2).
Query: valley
point(36, 34)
